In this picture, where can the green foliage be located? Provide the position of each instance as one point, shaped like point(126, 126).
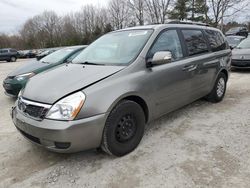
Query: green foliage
point(194, 10)
point(180, 11)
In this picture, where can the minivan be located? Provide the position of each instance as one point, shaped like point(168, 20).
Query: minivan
point(119, 83)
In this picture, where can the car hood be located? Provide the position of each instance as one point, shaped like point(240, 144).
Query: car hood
point(28, 67)
point(52, 85)
point(241, 53)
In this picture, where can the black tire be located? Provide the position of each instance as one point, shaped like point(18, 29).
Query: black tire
point(13, 59)
point(124, 128)
point(215, 96)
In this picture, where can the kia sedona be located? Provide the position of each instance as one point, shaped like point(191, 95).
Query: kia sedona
point(119, 83)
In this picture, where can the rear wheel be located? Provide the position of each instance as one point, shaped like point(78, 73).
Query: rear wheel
point(13, 59)
point(219, 90)
point(124, 128)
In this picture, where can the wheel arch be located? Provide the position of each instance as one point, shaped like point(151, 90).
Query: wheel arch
point(224, 71)
point(137, 99)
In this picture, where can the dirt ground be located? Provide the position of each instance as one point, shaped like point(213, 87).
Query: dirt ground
point(200, 145)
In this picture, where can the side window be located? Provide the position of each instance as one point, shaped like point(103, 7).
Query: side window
point(167, 41)
point(216, 40)
point(4, 51)
point(195, 41)
point(13, 51)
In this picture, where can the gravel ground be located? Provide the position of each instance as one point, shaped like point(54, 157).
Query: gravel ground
point(200, 145)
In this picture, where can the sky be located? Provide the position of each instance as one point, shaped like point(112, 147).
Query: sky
point(13, 13)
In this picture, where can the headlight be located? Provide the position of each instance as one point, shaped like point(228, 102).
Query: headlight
point(20, 93)
point(24, 76)
point(67, 108)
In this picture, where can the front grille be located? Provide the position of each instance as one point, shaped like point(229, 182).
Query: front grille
point(240, 63)
point(32, 109)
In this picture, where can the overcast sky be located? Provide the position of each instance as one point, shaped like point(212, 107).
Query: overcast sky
point(13, 13)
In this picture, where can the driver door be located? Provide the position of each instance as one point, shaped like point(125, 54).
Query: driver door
point(171, 81)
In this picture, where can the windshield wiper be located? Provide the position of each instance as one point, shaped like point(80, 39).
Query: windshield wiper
point(90, 63)
point(45, 62)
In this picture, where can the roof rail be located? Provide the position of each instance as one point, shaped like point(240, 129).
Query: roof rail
point(187, 22)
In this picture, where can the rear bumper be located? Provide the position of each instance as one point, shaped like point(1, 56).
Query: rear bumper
point(61, 136)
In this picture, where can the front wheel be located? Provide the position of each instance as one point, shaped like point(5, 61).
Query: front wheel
point(219, 90)
point(124, 128)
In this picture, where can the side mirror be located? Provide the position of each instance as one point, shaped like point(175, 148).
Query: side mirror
point(161, 57)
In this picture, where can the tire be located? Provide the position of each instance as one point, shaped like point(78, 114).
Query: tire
point(219, 90)
point(13, 59)
point(124, 128)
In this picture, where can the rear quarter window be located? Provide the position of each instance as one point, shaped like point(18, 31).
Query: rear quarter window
point(195, 42)
point(216, 40)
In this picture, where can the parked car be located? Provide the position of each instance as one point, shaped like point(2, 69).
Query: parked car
point(241, 31)
point(45, 53)
point(233, 41)
point(8, 54)
point(122, 81)
point(241, 55)
point(16, 80)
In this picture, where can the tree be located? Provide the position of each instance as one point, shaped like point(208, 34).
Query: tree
point(158, 10)
point(220, 9)
point(138, 9)
point(199, 10)
point(119, 13)
point(180, 11)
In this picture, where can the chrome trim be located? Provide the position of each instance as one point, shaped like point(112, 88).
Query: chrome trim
point(35, 103)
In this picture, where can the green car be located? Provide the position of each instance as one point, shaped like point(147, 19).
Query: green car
point(17, 79)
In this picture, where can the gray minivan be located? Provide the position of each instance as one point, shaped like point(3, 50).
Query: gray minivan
point(123, 80)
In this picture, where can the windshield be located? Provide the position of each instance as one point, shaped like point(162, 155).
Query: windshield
point(245, 44)
point(57, 56)
point(234, 40)
point(118, 48)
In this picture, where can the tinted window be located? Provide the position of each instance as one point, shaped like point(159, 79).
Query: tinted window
point(216, 40)
point(4, 51)
point(195, 41)
point(14, 51)
point(167, 41)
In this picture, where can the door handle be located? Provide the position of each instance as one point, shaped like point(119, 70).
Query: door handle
point(189, 68)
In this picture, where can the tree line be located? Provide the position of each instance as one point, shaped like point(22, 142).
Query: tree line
point(50, 30)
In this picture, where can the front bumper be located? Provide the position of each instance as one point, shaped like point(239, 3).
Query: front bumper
point(239, 63)
point(61, 136)
point(12, 88)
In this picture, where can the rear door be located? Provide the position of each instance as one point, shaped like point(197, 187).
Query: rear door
point(220, 56)
point(203, 65)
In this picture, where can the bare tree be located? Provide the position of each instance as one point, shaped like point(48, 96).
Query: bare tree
point(137, 8)
point(220, 9)
point(158, 10)
point(119, 13)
